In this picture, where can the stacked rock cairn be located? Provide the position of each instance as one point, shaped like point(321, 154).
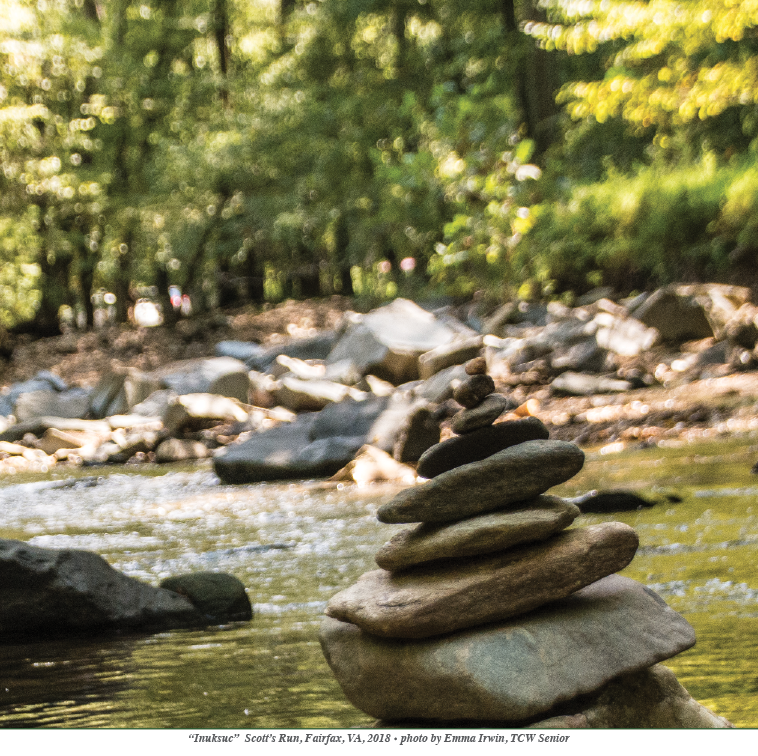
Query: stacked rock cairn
point(490, 610)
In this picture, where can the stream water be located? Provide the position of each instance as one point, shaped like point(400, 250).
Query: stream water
point(295, 545)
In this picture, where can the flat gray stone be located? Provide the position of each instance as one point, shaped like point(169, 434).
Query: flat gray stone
point(436, 599)
point(517, 474)
point(483, 416)
point(512, 671)
point(455, 353)
point(484, 534)
point(209, 375)
point(286, 452)
point(583, 384)
point(479, 444)
point(677, 316)
point(73, 403)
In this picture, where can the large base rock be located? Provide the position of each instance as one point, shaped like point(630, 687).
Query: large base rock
point(650, 698)
point(513, 671)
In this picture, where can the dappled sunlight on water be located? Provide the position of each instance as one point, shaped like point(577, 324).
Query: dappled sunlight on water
point(295, 545)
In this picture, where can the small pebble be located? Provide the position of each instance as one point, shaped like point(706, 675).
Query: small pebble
point(477, 366)
point(473, 390)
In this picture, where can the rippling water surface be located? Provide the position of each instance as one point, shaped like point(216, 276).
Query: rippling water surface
point(295, 545)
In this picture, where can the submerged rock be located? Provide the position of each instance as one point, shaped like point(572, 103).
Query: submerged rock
point(220, 597)
point(53, 591)
point(603, 502)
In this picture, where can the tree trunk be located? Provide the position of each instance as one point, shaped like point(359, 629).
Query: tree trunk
point(254, 277)
point(54, 291)
point(86, 275)
point(536, 78)
point(164, 299)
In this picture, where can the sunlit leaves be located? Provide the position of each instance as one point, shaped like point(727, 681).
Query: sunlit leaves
point(669, 63)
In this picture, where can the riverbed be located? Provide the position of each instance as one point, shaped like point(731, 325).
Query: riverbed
point(296, 544)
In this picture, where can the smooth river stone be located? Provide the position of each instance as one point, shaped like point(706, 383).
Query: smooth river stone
point(484, 415)
point(478, 445)
point(484, 534)
point(472, 391)
point(436, 599)
point(514, 475)
point(512, 671)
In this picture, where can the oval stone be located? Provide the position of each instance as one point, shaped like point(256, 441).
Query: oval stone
point(468, 420)
point(471, 392)
point(485, 534)
point(517, 474)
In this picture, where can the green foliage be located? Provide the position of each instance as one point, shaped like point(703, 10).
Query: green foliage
point(269, 149)
point(652, 227)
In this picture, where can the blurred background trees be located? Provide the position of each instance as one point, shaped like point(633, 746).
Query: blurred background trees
point(251, 150)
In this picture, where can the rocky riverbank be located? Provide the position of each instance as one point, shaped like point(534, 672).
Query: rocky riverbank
point(675, 365)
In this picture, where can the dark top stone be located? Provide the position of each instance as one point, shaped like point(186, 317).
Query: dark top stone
point(477, 366)
point(478, 445)
point(473, 390)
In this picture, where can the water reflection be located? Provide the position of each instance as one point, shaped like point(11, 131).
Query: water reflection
point(294, 545)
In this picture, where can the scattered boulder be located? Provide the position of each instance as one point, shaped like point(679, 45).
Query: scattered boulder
point(301, 395)
point(286, 452)
point(676, 316)
point(625, 336)
point(180, 449)
point(72, 403)
point(192, 412)
point(315, 347)
point(389, 341)
point(372, 465)
point(224, 376)
point(583, 384)
point(58, 591)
